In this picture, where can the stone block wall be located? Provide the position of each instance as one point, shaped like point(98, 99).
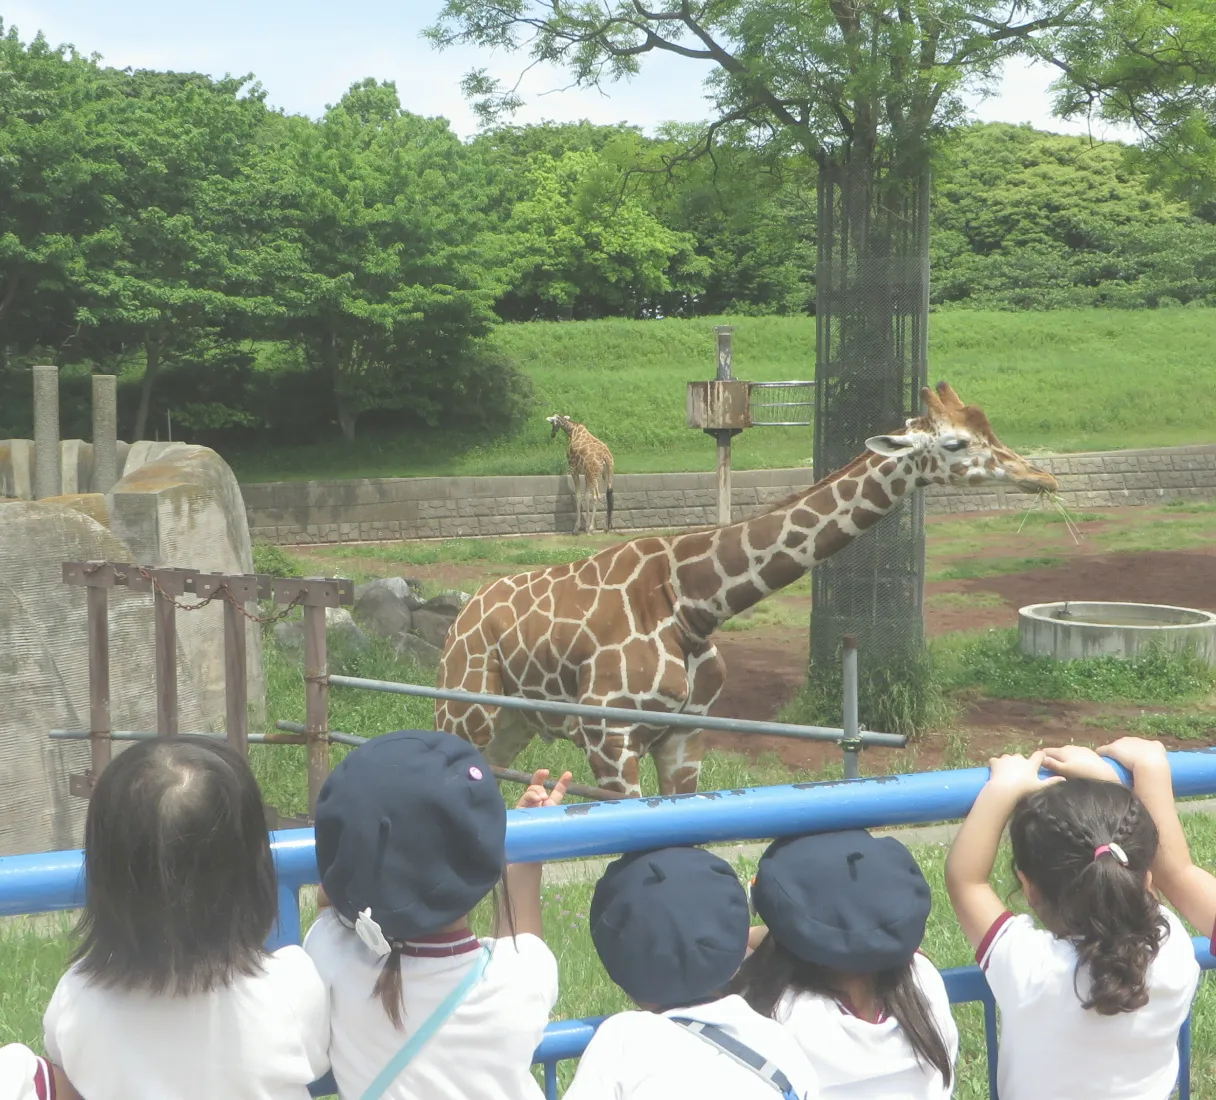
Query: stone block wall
point(450, 507)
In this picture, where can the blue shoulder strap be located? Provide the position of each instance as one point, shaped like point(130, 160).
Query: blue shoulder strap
point(741, 1053)
point(429, 1026)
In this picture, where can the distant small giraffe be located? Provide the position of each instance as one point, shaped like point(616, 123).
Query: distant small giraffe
point(589, 458)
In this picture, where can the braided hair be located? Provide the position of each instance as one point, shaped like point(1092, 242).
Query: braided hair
point(1087, 846)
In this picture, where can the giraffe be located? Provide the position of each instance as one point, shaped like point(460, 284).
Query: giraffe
point(588, 457)
point(631, 625)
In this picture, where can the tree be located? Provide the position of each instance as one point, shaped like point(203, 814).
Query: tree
point(586, 250)
point(1153, 65)
point(1026, 220)
point(173, 259)
point(380, 257)
point(56, 166)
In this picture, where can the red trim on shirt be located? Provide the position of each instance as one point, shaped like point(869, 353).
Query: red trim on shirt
point(442, 945)
point(981, 952)
point(848, 1010)
point(44, 1081)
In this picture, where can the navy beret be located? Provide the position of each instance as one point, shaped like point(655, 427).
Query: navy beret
point(411, 825)
point(846, 900)
point(670, 926)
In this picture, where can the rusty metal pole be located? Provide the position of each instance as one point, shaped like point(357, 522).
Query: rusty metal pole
point(723, 332)
point(316, 702)
point(99, 680)
point(236, 683)
point(166, 664)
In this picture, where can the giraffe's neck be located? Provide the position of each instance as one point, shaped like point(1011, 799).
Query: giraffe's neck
point(723, 572)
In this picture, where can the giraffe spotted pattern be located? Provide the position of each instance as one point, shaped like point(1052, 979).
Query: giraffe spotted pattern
point(631, 626)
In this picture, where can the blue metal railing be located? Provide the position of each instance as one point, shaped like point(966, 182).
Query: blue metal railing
point(51, 881)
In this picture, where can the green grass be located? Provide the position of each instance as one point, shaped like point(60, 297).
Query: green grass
point(32, 961)
point(1195, 726)
point(960, 600)
point(991, 664)
point(1059, 381)
point(990, 567)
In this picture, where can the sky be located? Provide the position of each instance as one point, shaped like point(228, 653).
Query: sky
point(307, 53)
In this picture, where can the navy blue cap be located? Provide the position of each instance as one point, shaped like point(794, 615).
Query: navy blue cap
point(670, 926)
point(412, 826)
point(846, 900)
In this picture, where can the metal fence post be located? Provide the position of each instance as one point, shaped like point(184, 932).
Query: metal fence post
point(165, 614)
point(723, 332)
point(851, 741)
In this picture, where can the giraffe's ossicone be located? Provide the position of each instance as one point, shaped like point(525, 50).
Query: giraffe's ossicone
point(631, 626)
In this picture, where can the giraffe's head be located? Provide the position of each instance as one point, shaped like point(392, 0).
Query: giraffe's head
point(959, 447)
point(560, 423)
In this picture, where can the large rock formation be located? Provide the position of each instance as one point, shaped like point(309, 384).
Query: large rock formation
point(174, 505)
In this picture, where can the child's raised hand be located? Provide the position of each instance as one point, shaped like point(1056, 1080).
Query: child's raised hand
point(1136, 752)
point(1078, 762)
point(536, 795)
point(1018, 774)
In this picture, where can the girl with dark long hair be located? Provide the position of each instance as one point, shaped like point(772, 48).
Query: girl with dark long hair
point(172, 992)
point(1092, 1001)
point(838, 965)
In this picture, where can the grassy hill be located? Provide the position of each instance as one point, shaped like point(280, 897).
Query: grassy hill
point(1059, 381)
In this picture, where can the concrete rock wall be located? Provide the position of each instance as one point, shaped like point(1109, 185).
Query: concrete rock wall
point(449, 507)
point(176, 505)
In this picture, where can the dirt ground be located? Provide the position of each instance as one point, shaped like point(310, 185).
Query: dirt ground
point(1111, 555)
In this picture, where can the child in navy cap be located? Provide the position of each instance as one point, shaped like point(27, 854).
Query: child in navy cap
point(671, 929)
point(411, 835)
point(839, 966)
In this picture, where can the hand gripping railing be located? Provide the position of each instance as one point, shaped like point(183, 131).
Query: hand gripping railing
point(54, 880)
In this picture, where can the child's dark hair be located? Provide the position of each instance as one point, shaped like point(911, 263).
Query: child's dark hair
point(1103, 907)
point(388, 981)
point(181, 891)
point(772, 970)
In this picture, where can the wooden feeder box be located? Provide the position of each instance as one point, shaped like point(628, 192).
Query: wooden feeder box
point(719, 405)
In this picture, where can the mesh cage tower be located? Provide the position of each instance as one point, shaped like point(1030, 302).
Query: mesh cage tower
point(872, 310)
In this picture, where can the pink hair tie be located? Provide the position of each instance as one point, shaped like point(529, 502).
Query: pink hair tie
point(1114, 850)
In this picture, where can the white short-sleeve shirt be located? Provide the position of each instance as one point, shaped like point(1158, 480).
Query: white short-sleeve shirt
point(1053, 1049)
point(264, 1037)
point(484, 1049)
point(858, 1059)
point(645, 1056)
point(23, 1075)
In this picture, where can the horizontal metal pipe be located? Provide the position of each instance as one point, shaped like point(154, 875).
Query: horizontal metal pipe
point(624, 715)
point(569, 1038)
point(49, 881)
point(254, 738)
point(507, 774)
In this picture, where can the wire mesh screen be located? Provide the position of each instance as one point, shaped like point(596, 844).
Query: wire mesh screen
point(781, 404)
point(872, 306)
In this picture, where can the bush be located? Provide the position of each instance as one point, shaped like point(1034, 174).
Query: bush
point(271, 561)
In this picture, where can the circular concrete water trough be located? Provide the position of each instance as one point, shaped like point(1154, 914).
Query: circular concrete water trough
point(1069, 631)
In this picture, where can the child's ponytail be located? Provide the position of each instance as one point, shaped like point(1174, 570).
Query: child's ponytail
point(388, 984)
point(1086, 847)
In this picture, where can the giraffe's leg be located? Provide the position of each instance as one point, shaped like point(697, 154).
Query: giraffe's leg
point(593, 499)
point(578, 502)
point(677, 758)
point(513, 735)
point(613, 758)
